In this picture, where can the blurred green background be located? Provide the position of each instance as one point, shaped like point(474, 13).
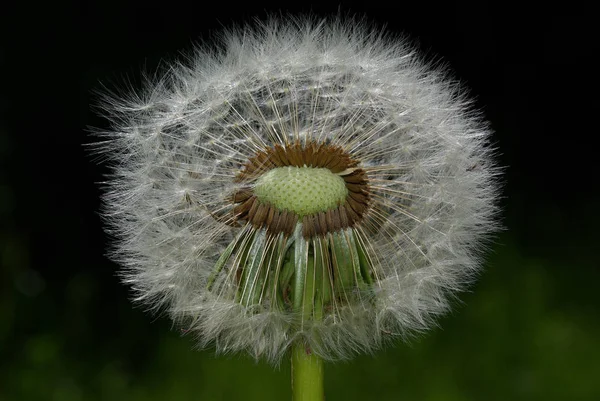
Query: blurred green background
point(528, 330)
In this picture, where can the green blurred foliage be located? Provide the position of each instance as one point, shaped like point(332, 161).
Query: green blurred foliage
point(528, 330)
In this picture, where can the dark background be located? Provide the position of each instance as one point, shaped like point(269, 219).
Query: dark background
point(528, 330)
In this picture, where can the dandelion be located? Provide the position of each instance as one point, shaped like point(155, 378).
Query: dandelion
point(311, 185)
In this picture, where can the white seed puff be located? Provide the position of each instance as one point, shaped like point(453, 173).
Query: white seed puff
point(197, 241)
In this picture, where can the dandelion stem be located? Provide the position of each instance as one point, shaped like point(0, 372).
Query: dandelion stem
point(307, 367)
point(307, 374)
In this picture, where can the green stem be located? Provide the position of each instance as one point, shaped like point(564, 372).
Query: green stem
point(307, 375)
point(307, 367)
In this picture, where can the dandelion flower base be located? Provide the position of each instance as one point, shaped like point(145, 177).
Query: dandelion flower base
point(302, 190)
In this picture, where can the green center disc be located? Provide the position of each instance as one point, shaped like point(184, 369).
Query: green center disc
point(302, 190)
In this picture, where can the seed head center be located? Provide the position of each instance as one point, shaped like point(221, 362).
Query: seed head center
point(302, 190)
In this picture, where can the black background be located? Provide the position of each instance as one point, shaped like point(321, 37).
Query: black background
point(64, 314)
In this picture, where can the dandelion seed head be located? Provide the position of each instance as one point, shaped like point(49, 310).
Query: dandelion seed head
point(311, 181)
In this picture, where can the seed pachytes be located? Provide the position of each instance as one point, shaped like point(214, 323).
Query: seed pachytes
point(326, 190)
